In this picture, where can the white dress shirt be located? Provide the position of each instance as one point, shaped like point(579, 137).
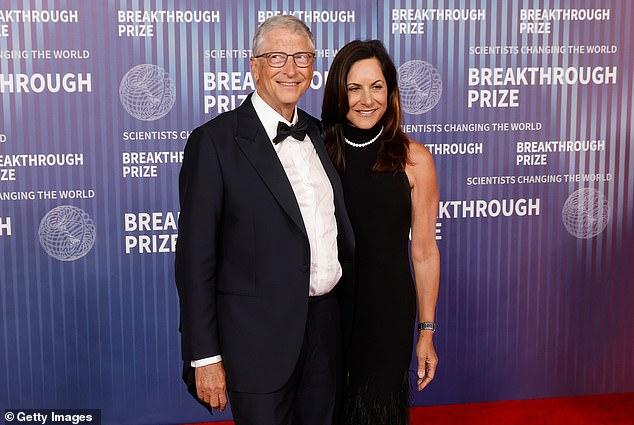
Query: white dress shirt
point(315, 198)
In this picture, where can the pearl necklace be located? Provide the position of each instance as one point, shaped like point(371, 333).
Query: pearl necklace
point(361, 145)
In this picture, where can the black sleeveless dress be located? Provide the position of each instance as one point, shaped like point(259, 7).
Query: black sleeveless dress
point(379, 206)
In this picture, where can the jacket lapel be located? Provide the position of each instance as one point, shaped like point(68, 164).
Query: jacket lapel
point(256, 146)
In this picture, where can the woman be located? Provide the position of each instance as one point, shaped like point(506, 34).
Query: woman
point(390, 187)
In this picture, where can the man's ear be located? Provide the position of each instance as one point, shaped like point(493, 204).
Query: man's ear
point(254, 68)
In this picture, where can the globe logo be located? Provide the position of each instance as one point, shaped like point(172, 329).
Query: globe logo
point(147, 92)
point(585, 213)
point(67, 233)
point(420, 86)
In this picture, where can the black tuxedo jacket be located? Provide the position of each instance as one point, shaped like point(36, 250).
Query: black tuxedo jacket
point(242, 256)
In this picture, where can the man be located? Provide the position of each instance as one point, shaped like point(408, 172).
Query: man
point(263, 239)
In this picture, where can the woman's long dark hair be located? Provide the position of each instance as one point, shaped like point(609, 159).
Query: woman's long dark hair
point(393, 152)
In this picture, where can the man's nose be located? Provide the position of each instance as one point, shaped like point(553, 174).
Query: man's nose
point(290, 67)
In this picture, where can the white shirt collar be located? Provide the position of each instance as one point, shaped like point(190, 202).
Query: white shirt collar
point(269, 116)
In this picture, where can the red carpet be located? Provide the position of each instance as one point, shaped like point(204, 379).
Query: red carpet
point(604, 409)
point(607, 409)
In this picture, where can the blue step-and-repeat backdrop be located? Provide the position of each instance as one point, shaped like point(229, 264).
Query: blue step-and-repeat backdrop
point(527, 107)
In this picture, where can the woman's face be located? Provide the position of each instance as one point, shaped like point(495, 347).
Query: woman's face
point(367, 93)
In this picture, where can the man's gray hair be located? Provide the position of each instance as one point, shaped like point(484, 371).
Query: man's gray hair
point(288, 22)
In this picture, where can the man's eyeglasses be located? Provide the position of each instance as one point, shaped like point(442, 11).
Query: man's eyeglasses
point(278, 59)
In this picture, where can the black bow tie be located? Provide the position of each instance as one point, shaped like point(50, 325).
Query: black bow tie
point(297, 131)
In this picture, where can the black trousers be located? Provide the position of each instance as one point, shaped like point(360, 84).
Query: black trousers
point(313, 394)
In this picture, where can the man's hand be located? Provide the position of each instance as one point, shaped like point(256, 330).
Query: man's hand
point(427, 359)
point(211, 385)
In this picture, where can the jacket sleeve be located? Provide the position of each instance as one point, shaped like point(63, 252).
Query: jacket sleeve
point(196, 266)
